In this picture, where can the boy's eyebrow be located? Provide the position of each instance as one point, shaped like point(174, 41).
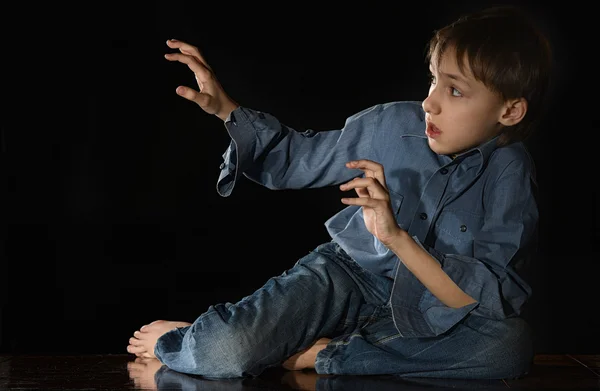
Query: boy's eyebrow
point(452, 76)
point(458, 78)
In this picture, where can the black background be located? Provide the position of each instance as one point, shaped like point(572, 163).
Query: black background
point(112, 216)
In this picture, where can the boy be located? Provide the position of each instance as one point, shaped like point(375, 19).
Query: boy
point(422, 276)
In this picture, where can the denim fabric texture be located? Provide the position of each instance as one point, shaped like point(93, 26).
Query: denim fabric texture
point(475, 214)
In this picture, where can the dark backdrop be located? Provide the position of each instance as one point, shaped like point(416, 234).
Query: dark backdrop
point(113, 219)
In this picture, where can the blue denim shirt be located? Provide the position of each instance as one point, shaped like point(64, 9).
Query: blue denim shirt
point(475, 214)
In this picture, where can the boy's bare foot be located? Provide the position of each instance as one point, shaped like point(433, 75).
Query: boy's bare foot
point(307, 357)
point(142, 372)
point(143, 341)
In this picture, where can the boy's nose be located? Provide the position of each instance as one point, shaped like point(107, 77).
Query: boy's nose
point(429, 104)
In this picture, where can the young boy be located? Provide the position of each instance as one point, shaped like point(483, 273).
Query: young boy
point(423, 273)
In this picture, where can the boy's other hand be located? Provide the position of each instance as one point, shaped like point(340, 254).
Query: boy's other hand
point(374, 198)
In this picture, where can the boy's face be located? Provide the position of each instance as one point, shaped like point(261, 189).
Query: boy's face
point(461, 112)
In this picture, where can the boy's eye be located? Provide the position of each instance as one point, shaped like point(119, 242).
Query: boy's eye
point(431, 79)
point(455, 92)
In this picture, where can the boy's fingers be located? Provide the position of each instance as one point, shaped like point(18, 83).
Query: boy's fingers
point(363, 201)
point(365, 164)
point(188, 49)
point(187, 93)
point(367, 187)
point(201, 99)
point(370, 168)
point(199, 69)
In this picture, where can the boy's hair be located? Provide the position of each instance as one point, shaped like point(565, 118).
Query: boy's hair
point(508, 54)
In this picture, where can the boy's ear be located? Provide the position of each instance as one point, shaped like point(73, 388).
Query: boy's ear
point(513, 112)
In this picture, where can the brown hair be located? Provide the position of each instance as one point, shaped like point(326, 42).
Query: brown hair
point(506, 52)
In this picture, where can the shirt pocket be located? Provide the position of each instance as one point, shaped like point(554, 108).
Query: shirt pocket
point(456, 230)
point(396, 200)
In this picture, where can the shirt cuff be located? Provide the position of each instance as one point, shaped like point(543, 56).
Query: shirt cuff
point(169, 344)
point(240, 154)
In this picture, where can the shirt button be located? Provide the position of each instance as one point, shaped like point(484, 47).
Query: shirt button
point(221, 166)
point(463, 228)
point(444, 171)
point(423, 216)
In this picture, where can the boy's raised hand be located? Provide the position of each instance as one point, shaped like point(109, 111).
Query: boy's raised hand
point(210, 97)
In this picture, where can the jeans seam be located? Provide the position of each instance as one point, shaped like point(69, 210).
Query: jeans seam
point(371, 318)
point(387, 339)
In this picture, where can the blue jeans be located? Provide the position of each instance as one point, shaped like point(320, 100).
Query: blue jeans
point(327, 294)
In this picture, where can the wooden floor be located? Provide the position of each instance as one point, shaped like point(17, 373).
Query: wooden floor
point(122, 372)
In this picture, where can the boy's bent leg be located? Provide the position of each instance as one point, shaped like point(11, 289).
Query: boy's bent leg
point(288, 314)
point(477, 348)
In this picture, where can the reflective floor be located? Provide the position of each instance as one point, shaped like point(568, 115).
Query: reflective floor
point(124, 372)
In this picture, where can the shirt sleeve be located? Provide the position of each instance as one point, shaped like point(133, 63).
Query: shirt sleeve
point(492, 276)
point(279, 157)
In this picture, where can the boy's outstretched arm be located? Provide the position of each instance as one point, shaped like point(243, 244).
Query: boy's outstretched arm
point(265, 150)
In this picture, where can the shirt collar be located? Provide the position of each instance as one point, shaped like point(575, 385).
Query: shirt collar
point(478, 156)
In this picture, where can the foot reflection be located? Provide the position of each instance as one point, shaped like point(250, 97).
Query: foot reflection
point(142, 372)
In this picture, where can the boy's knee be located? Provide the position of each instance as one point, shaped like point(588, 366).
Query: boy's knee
point(324, 263)
point(518, 349)
point(221, 354)
point(229, 364)
point(513, 354)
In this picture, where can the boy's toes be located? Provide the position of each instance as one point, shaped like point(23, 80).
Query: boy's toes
point(137, 350)
point(134, 341)
point(144, 327)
